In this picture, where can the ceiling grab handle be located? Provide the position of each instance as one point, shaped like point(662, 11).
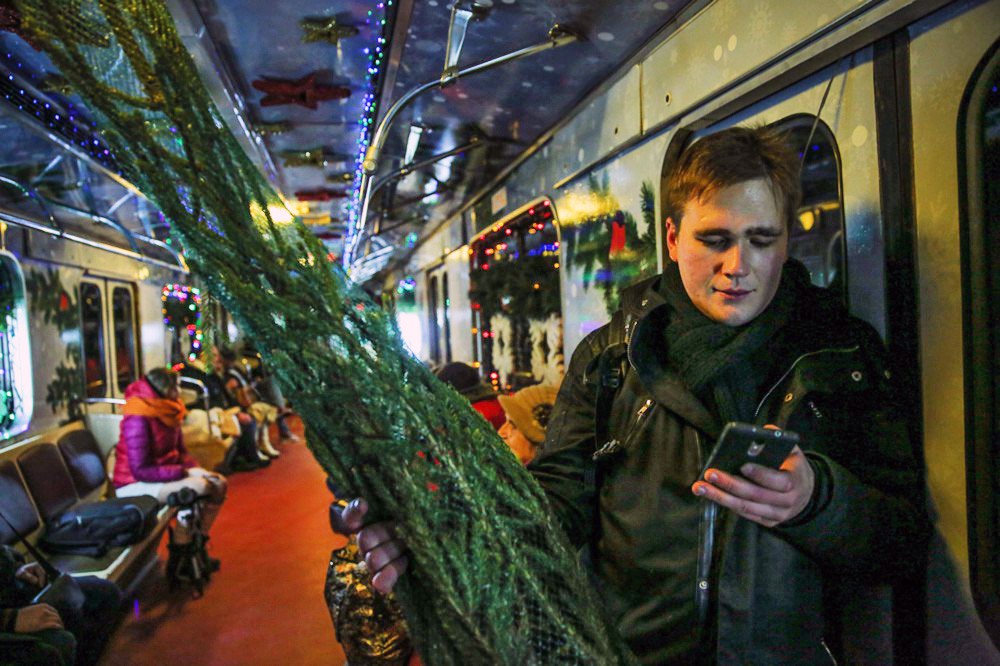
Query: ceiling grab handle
point(558, 36)
point(461, 15)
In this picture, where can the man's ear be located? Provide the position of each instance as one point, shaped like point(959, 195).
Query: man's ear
point(672, 232)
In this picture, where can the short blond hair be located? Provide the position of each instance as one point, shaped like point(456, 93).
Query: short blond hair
point(730, 157)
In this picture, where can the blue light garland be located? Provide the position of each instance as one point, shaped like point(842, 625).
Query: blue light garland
point(16, 86)
point(370, 110)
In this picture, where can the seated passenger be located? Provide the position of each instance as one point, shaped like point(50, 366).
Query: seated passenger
point(465, 379)
point(151, 457)
point(527, 413)
point(234, 423)
point(38, 633)
point(269, 391)
point(242, 392)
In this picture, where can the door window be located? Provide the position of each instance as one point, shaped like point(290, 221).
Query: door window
point(92, 330)
point(123, 314)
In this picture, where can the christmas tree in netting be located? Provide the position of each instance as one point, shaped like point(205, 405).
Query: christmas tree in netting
point(492, 579)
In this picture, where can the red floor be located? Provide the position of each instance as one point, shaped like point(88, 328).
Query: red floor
point(265, 606)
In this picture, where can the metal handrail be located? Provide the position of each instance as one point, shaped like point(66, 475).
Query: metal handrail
point(558, 36)
point(404, 171)
point(107, 221)
point(57, 228)
point(35, 226)
point(31, 193)
point(199, 384)
point(103, 401)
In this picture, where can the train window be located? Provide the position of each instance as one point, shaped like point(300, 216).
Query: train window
point(433, 328)
point(123, 314)
point(92, 330)
point(446, 303)
point(817, 236)
point(16, 395)
point(981, 302)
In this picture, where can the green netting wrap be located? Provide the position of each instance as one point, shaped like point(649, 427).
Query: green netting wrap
point(492, 579)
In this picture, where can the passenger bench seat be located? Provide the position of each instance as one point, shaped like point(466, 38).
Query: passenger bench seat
point(16, 505)
point(82, 456)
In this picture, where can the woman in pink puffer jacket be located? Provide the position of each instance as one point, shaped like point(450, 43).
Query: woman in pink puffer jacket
point(151, 457)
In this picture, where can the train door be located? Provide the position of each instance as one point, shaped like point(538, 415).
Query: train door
point(437, 344)
point(108, 334)
point(953, 68)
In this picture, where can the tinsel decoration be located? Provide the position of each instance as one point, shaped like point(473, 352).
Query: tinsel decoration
point(492, 578)
point(311, 157)
point(325, 29)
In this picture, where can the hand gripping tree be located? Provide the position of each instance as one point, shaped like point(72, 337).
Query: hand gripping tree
point(492, 580)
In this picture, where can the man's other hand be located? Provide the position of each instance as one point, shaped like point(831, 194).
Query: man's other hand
point(32, 573)
point(765, 496)
point(385, 555)
point(36, 618)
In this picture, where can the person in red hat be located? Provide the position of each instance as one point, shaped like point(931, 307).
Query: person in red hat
point(465, 379)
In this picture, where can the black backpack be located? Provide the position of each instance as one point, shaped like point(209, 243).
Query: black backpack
point(93, 528)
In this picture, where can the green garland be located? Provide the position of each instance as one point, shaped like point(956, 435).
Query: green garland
point(492, 579)
point(510, 286)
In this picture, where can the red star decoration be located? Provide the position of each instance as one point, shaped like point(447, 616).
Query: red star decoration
point(319, 195)
point(304, 92)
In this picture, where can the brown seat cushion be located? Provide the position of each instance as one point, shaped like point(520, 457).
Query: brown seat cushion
point(15, 504)
point(83, 459)
point(48, 480)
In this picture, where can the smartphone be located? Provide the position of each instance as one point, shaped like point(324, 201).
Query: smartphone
point(742, 443)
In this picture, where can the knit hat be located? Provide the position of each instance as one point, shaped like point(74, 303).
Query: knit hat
point(529, 410)
point(465, 379)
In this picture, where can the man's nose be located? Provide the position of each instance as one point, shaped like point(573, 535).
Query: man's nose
point(734, 264)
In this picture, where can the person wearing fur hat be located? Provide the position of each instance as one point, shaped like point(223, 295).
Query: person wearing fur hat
point(527, 413)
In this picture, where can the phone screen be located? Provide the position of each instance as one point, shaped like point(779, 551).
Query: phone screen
point(742, 443)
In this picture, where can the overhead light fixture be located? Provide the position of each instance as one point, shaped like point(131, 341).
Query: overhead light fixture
point(412, 142)
point(461, 14)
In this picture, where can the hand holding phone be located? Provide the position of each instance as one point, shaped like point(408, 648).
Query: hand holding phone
point(742, 443)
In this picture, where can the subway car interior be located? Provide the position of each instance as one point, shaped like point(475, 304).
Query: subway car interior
point(239, 240)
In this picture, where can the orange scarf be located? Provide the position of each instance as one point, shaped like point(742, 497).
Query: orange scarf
point(170, 412)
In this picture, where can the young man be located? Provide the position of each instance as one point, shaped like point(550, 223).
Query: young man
point(731, 331)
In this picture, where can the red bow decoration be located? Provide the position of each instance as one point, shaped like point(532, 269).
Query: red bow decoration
point(319, 195)
point(617, 234)
point(304, 92)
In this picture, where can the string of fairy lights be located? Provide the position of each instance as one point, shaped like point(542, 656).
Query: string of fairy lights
point(21, 86)
point(376, 56)
point(182, 310)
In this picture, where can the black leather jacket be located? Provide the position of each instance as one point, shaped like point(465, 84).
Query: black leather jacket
point(668, 563)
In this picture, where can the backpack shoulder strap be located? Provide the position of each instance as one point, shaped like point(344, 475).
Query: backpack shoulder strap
point(612, 365)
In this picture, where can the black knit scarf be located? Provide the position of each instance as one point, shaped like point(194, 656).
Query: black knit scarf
point(724, 366)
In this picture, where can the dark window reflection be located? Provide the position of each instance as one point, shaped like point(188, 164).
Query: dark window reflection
point(124, 326)
point(817, 237)
point(92, 330)
point(432, 317)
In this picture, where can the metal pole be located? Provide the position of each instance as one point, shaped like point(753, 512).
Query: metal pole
point(558, 36)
